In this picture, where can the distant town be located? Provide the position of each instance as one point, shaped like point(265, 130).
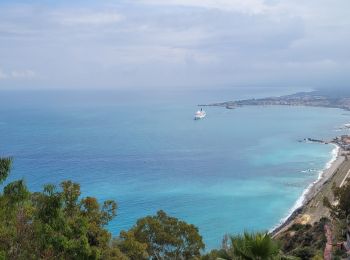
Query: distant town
point(312, 99)
point(343, 141)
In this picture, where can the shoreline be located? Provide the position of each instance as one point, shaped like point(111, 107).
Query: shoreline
point(308, 208)
point(308, 99)
point(309, 194)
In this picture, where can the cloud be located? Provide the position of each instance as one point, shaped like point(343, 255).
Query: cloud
point(23, 74)
point(246, 6)
point(175, 42)
point(87, 18)
point(17, 74)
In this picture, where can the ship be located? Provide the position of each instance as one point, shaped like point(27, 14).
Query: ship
point(200, 114)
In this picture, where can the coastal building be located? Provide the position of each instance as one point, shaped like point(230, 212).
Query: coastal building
point(343, 141)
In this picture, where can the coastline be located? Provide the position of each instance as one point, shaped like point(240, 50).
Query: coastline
point(306, 210)
point(307, 99)
point(309, 208)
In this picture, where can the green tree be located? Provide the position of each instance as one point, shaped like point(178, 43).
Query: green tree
point(5, 167)
point(114, 253)
point(304, 253)
point(249, 246)
point(71, 193)
point(166, 238)
point(254, 246)
point(131, 247)
point(16, 192)
point(340, 209)
point(16, 229)
point(54, 223)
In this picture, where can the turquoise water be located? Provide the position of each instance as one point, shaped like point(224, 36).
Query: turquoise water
point(235, 170)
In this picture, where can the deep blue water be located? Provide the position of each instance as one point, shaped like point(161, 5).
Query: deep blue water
point(235, 170)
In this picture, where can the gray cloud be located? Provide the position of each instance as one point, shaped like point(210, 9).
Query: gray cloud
point(175, 43)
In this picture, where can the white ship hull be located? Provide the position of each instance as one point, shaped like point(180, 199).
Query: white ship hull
point(199, 115)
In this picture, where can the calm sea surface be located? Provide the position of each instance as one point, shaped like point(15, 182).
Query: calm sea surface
point(236, 170)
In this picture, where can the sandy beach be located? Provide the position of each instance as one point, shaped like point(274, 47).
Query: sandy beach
point(312, 209)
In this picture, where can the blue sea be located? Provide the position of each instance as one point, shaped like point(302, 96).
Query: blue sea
point(236, 170)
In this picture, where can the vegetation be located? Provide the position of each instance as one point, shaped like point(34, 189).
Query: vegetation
point(52, 224)
point(249, 246)
point(58, 224)
point(308, 242)
point(304, 241)
point(5, 166)
point(340, 212)
point(341, 209)
point(162, 237)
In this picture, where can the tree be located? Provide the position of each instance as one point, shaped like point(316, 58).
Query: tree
point(114, 253)
point(131, 247)
point(340, 209)
point(254, 246)
point(108, 211)
point(249, 246)
point(166, 237)
point(71, 193)
point(16, 191)
point(5, 167)
point(16, 231)
point(54, 223)
point(300, 240)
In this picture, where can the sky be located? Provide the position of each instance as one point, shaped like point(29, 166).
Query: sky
point(168, 44)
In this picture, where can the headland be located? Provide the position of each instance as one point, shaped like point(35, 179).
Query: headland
point(311, 99)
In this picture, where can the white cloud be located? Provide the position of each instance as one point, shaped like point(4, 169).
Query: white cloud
point(243, 6)
point(17, 74)
point(23, 74)
point(164, 55)
point(88, 18)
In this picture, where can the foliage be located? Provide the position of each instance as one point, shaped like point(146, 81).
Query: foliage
point(341, 208)
point(249, 246)
point(304, 253)
point(214, 255)
point(317, 257)
point(129, 245)
point(253, 246)
point(58, 224)
point(304, 241)
point(165, 237)
point(5, 166)
point(54, 223)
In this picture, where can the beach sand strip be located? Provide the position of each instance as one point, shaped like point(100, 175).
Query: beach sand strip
point(313, 209)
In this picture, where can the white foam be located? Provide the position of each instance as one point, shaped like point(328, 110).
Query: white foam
point(302, 198)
